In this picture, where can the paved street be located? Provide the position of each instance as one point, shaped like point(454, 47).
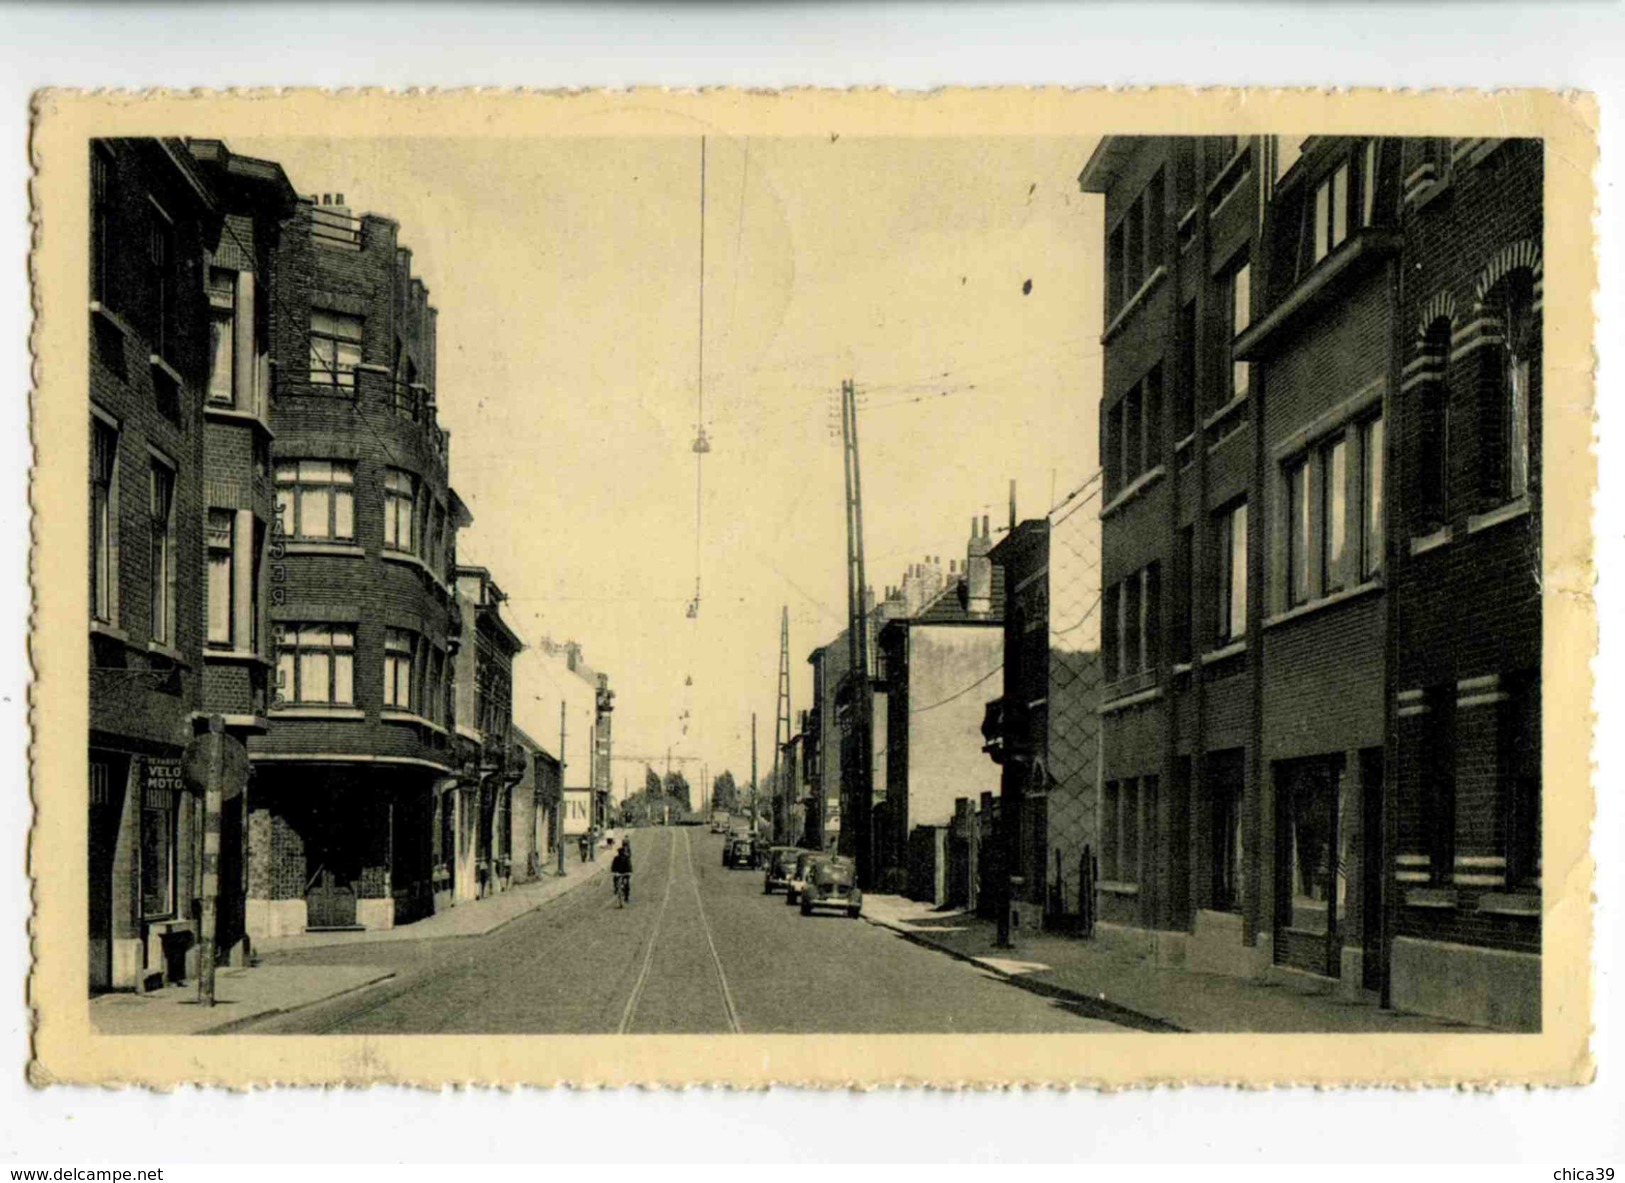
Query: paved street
point(701, 949)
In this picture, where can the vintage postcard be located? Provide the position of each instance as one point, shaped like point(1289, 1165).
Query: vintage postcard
point(1009, 587)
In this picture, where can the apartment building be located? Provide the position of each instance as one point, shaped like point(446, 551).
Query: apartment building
point(364, 621)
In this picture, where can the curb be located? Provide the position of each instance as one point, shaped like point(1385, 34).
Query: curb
point(236, 1024)
point(1098, 1008)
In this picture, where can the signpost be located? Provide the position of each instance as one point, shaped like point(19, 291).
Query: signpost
point(218, 764)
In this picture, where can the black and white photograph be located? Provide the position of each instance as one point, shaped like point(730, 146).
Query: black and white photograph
point(722, 581)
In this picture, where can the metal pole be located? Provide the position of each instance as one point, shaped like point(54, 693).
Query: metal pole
point(213, 795)
point(558, 838)
point(753, 814)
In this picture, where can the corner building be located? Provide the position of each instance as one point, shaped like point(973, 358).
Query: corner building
point(362, 564)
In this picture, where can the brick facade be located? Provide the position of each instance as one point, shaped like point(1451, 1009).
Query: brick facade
point(1272, 777)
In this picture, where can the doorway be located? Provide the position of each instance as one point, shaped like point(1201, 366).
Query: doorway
point(1311, 866)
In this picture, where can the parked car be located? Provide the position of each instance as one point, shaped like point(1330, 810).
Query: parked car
point(780, 862)
point(741, 850)
point(833, 883)
point(805, 862)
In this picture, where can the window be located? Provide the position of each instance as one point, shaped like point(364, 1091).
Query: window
point(1120, 832)
point(436, 552)
point(400, 663)
point(1334, 513)
point(315, 664)
point(1518, 325)
point(1331, 213)
point(335, 348)
point(434, 706)
point(161, 505)
point(161, 257)
point(1151, 409)
point(1224, 775)
point(1133, 436)
point(1132, 649)
point(1150, 615)
point(1241, 315)
point(158, 825)
point(1308, 795)
point(1520, 755)
point(1436, 765)
point(222, 335)
point(222, 525)
point(1115, 294)
point(1371, 462)
point(101, 168)
point(1111, 607)
point(1299, 538)
point(1232, 572)
point(103, 515)
point(1185, 589)
point(316, 499)
point(400, 510)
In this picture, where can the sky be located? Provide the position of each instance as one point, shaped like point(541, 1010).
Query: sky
point(955, 280)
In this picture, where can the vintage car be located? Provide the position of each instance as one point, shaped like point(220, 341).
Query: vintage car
point(780, 862)
point(741, 850)
point(832, 883)
point(805, 862)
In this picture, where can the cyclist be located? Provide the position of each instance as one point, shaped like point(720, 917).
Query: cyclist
point(621, 870)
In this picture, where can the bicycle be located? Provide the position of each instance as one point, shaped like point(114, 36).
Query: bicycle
point(622, 884)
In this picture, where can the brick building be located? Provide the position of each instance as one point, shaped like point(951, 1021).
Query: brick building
point(1465, 584)
point(1262, 593)
point(535, 810)
point(153, 222)
point(361, 565)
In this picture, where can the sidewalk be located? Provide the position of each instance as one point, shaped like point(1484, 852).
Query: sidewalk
point(240, 995)
point(1115, 980)
point(470, 919)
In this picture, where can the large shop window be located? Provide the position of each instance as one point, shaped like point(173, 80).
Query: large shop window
point(316, 499)
point(103, 514)
point(1313, 862)
point(1230, 528)
point(315, 665)
point(158, 829)
point(400, 510)
point(162, 564)
point(221, 531)
point(335, 348)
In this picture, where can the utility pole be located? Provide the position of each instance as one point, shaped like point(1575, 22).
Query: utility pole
point(781, 732)
point(862, 804)
point(753, 813)
point(558, 838)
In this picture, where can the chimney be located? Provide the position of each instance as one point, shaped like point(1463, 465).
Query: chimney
point(979, 570)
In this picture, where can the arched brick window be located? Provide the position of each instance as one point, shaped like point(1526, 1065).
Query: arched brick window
point(1426, 392)
point(1507, 387)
